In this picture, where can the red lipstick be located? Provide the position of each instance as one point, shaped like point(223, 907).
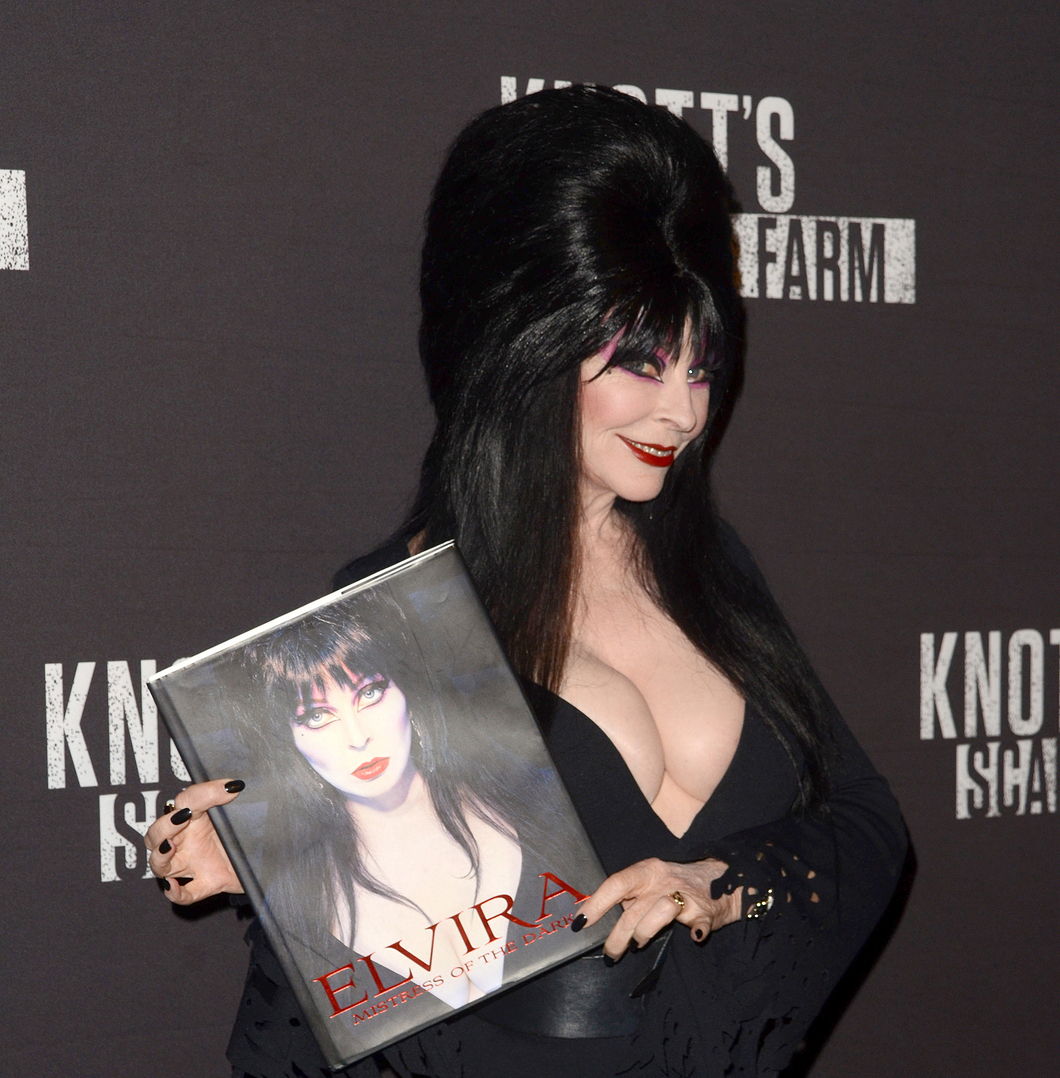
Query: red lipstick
point(658, 456)
point(372, 769)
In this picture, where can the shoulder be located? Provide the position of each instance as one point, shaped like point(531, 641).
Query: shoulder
point(736, 553)
point(395, 549)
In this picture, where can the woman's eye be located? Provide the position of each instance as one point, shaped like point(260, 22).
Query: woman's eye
point(372, 693)
point(644, 366)
point(315, 718)
point(700, 375)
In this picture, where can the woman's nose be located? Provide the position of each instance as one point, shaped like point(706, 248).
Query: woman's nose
point(357, 732)
point(677, 405)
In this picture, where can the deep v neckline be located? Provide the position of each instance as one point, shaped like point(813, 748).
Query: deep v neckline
point(621, 771)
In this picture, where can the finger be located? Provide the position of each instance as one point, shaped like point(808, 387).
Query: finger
point(159, 864)
point(196, 798)
point(206, 795)
point(163, 839)
point(169, 859)
point(183, 890)
point(702, 927)
point(640, 922)
point(708, 915)
point(628, 931)
point(622, 887)
point(155, 833)
point(662, 912)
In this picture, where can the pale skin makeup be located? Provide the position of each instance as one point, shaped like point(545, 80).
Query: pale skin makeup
point(636, 417)
point(357, 736)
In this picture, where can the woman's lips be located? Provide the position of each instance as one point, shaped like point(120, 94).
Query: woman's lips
point(658, 456)
point(372, 769)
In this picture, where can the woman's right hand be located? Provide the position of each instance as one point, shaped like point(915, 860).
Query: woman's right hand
point(185, 852)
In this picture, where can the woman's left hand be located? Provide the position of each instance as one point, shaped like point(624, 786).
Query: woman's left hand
point(654, 893)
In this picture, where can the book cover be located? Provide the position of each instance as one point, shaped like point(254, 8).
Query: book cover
point(403, 835)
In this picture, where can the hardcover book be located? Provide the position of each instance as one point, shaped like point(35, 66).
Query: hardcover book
point(403, 834)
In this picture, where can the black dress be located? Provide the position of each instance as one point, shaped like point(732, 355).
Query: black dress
point(737, 1004)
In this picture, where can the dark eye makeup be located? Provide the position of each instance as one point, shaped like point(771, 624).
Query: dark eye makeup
point(652, 364)
point(316, 716)
point(372, 691)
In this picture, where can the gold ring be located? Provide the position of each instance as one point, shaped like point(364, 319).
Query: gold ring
point(678, 898)
point(169, 806)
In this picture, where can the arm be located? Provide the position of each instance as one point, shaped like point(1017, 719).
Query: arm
point(832, 869)
point(829, 869)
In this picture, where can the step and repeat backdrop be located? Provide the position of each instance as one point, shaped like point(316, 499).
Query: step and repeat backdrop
point(209, 221)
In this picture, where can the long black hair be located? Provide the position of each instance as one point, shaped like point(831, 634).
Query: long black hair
point(558, 221)
point(314, 860)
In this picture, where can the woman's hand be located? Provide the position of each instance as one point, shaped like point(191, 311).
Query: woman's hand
point(186, 853)
point(654, 893)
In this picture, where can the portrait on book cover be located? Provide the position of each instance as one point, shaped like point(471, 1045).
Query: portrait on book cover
point(403, 830)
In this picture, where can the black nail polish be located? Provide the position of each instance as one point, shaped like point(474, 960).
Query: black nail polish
point(634, 945)
point(608, 961)
point(184, 880)
point(578, 923)
point(164, 846)
point(698, 935)
point(164, 884)
point(180, 817)
point(233, 786)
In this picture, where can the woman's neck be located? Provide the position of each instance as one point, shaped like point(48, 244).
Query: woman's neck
point(408, 798)
point(598, 520)
point(605, 542)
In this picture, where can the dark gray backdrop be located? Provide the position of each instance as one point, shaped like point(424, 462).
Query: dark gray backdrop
point(211, 401)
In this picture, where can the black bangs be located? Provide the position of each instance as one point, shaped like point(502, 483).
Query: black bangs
point(345, 670)
point(362, 637)
point(666, 321)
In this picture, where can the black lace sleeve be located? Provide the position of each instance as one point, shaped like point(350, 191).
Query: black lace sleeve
point(815, 886)
point(831, 870)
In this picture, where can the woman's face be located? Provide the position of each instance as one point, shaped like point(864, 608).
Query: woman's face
point(636, 417)
point(356, 737)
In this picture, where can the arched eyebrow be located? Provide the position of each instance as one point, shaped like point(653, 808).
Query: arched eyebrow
point(340, 676)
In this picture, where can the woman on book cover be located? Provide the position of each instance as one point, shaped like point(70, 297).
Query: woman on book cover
point(582, 338)
point(386, 818)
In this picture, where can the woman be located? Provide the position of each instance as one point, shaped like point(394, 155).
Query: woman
point(581, 338)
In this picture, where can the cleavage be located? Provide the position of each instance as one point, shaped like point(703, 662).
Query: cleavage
point(676, 728)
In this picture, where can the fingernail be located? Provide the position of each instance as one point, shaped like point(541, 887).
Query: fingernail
point(634, 945)
point(697, 933)
point(233, 786)
point(184, 880)
point(164, 846)
point(578, 923)
point(180, 817)
point(164, 884)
